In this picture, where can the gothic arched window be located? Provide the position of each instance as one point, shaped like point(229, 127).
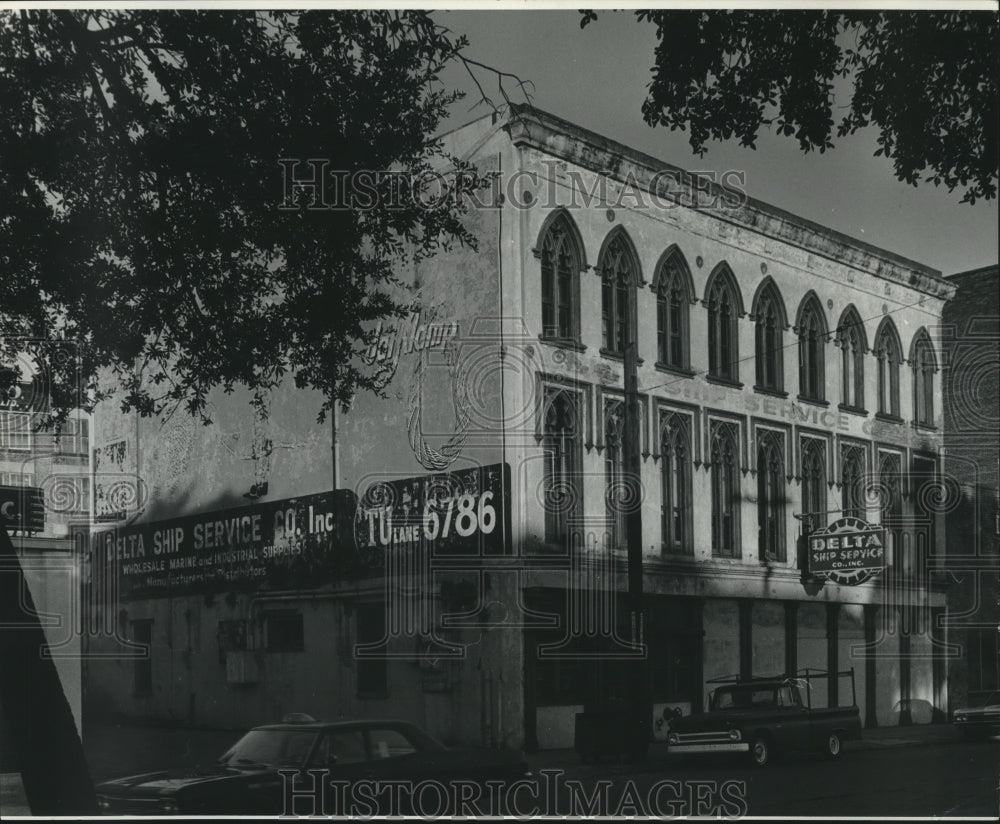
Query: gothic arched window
point(724, 308)
point(619, 277)
point(851, 340)
point(852, 480)
point(769, 325)
point(770, 496)
point(725, 490)
point(614, 472)
point(888, 356)
point(561, 263)
point(672, 301)
point(814, 505)
point(561, 444)
point(924, 366)
point(812, 350)
point(675, 467)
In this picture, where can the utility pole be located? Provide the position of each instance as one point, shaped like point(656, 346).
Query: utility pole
point(640, 703)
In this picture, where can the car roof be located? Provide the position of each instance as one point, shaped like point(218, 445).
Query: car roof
point(330, 725)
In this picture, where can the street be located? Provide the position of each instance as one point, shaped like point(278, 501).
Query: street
point(942, 776)
point(951, 778)
point(958, 779)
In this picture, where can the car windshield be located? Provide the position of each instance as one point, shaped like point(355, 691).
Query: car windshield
point(271, 747)
point(992, 699)
point(743, 699)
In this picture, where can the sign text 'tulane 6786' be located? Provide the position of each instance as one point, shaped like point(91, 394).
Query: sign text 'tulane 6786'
point(461, 513)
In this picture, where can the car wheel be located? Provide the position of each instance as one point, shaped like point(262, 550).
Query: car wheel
point(832, 747)
point(760, 752)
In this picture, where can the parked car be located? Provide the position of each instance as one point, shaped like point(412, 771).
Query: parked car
point(762, 717)
point(981, 721)
point(246, 778)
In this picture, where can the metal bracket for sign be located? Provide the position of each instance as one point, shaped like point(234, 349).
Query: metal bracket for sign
point(801, 516)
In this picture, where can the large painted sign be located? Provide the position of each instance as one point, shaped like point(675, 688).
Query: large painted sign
point(413, 334)
point(848, 551)
point(460, 513)
point(296, 543)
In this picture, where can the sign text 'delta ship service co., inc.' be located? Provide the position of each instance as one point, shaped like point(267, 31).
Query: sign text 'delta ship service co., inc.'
point(311, 540)
point(290, 542)
point(848, 551)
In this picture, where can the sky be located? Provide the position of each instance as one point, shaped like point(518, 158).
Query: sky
point(597, 78)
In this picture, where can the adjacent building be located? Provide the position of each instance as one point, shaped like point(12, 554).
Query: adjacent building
point(454, 552)
point(44, 502)
point(971, 332)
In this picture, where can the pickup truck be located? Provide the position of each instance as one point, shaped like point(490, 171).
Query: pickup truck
point(761, 717)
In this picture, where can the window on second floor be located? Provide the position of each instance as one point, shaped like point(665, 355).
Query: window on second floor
point(924, 366)
point(890, 489)
point(852, 481)
point(561, 264)
point(675, 467)
point(619, 277)
point(725, 490)
point(851, 341)
point(770, 496)
point(814, 503)
point(15, 430)
point(812, 349)
point(561, 447)
point(616, 490)
point(73, 438)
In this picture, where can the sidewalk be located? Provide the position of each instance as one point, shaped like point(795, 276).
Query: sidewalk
point(113, 751)
point(873, 739)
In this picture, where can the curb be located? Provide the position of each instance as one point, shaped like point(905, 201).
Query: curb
point(567, 758)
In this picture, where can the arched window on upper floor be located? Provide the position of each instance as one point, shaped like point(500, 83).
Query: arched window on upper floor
point(770, 322)
point(888, 357)
point(924, 365)
point(674, 295)
point(811, 329)
point(853, 346)
point(561, 255)
point(618, 266)
point(725, 307)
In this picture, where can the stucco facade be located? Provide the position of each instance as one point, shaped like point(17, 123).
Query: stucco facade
point(514, 358)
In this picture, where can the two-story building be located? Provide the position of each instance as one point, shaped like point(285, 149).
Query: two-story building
point(454, 551)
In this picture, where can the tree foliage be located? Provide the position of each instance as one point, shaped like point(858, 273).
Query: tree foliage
point(141, 190)
point(925, 80)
